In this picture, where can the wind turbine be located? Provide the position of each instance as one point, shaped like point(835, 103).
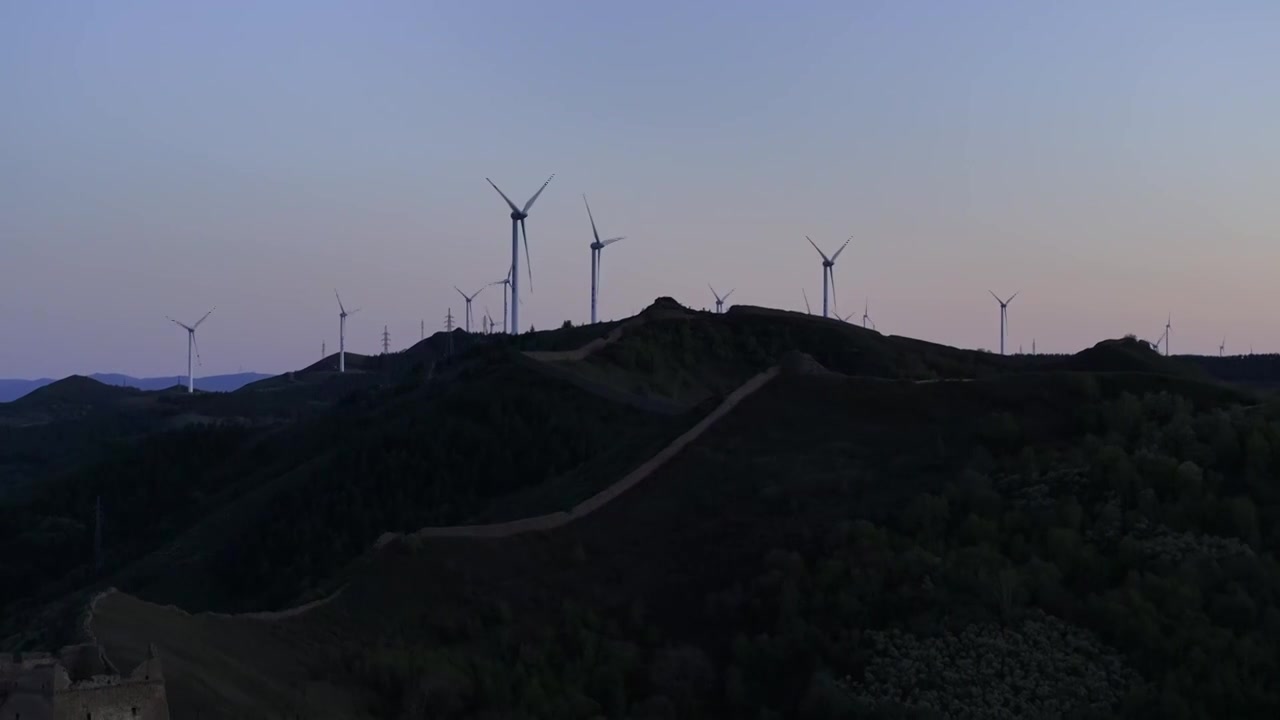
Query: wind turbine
point(506, 285)
point(806, 301)
point(866, 315)
point(720, 300)
point(1168, 325)
point(1222, 348)
point(597, 246)
point(468, 298)
point(518, 216)
point(191, 345)
point(342, 332)
point(828, 273)
point(1004, 315)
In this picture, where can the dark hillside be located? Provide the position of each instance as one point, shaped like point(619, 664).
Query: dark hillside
point(834, 527)
point(311, 499)
point(927, 528)
point(1260, 371)
point(1129, 355)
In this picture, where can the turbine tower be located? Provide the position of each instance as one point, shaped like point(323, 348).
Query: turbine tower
point(720, 300)
point(1004, 315)
point(518, 216)
point(191, 345)
point(828, 273)
point(597, 246)
point(506, 285)
point(1168, 325)
point(467, 316)
point(342, 332)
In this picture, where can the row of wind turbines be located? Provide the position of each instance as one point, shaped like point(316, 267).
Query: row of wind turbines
point(511, 289)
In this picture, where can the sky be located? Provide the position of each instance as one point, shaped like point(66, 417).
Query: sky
point(1112, 162)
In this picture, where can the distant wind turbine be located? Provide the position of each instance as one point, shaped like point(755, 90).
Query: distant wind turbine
point(518, 216)
point(191, 346)
point(1168, 325)
point(468, 298)
point(1222, 348)
point(866, 315)
point(720, 300)
point(342, 332)
point(597, 247)
point(506, 285)
point(806, 301)
point(1004, 315)
point(828, 274)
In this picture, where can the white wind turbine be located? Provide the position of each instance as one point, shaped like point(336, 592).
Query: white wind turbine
point(518, 216)
point(720, 300)
point(866, 315)
point(342, 332)
point(191, 346)
point(1222, 348)
point(828, 273)
point(597, 246)
point(469, 298)
point(1004, 315)
point(506, 285)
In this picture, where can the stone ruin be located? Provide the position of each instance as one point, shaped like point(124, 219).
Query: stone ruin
point(79, 683)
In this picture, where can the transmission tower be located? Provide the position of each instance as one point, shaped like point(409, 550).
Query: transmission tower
point(386, 340)
point(448, 326)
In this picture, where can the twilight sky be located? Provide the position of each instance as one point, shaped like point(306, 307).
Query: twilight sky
point(1112, 161)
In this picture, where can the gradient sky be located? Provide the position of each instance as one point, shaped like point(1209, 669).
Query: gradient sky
point(1112, 161)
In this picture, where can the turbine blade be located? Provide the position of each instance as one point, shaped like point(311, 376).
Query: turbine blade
point(1011, 297)
point(591, 217)
point(806, 300)
point(197, 347)
point(353, 312)
point(184, 326)
point(726, 295)
point(842, 247)
point(464, 295)
point(815, 247)
point(535, 195)
point(193, 327)
point(997, 297)
point(713, 292)
point(335, 294)
point(510, 204)
point(611, 241)
point(528, 264)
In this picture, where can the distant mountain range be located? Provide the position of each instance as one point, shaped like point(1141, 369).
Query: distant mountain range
point(13, 389)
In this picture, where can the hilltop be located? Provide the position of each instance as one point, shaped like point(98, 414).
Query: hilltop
point(696, 515)
point(13, 389)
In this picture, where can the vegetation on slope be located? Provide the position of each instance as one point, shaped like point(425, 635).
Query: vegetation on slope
point(860, 549)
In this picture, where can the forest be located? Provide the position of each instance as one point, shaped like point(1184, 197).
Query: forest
point(1124, 563)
